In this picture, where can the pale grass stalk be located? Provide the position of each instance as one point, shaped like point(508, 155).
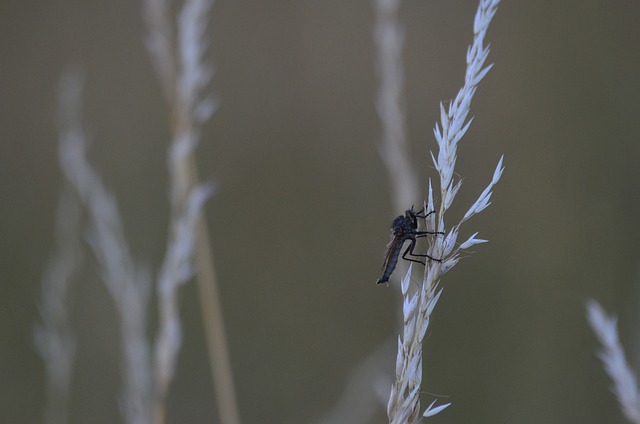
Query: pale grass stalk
point(366, 388)
point(419, 302)
point(178, 60)
point(361, 394)
point(625, 385)
point(146, 381)
point(362, 389)
point(177, 270)
point(161, 42)
point(128, 285)
point(54, 336)
point(390, 103)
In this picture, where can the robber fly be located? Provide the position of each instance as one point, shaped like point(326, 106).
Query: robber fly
point(403, 228)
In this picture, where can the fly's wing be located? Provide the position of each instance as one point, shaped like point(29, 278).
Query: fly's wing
point(391, 247)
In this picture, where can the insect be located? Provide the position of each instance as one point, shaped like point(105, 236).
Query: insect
point(403, 228)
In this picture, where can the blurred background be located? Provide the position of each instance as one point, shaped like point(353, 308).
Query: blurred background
point(301, 218)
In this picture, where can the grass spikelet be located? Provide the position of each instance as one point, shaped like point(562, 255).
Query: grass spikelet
point(404, 402)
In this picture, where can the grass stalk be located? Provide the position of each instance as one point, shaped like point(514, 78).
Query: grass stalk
point(625, 384)
point(54, 336)
point(128, 284)
point(178, 59)
point(393, 145)
point(419, 302)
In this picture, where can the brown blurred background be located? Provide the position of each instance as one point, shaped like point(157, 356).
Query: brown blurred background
point(301, 218)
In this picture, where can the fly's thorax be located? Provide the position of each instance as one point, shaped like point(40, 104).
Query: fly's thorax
point(397, 223)
point(403, 226)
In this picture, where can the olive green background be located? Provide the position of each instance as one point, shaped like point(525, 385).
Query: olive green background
point(301, 218)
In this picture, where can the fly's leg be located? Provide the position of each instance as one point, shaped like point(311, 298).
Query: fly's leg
point(409, 250)
point(419, 234)
point(426, 214)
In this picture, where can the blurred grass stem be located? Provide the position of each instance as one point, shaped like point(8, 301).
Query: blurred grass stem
point(178, 60)
point(54, 336)
point(393, 146)
point(625, 384)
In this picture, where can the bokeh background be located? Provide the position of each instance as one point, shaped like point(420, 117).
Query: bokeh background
point(301, 217)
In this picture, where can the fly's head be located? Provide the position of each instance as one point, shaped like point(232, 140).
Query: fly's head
point(411, 217)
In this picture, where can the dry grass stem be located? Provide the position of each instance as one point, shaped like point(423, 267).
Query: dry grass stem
point(366, 388)
point(54, 336)
point(363, 390)
point(390, 103)
point(178, 59)
point(147, 373)
point(146, 377)
point(625, 385)
point(177, 269)
point(128, 285)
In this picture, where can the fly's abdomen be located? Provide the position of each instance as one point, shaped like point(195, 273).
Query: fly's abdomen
point(391, 261)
